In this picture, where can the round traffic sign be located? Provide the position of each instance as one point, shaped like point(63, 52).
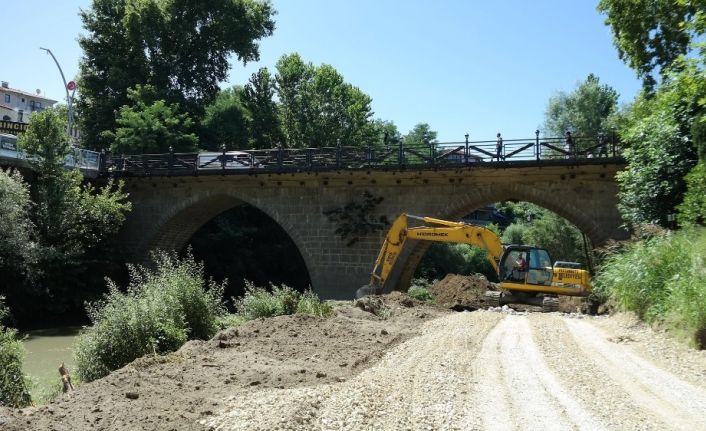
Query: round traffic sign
point(71, 86)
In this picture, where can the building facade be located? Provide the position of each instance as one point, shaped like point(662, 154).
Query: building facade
point(18, 105)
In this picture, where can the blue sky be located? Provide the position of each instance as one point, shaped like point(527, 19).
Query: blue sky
point(480, 67)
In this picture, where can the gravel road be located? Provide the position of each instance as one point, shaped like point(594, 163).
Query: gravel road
point(489, 370)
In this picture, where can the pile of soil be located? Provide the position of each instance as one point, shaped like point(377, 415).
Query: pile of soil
point(461, 291)
point(175, 391)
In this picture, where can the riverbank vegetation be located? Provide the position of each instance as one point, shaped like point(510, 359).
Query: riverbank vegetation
point(14, 386)
point(164, 307)
point(159, 311)
point(663, 280)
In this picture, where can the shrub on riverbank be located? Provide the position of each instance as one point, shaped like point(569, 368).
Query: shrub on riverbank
point(662, 279)
point(278, 301)
point(160, 311)
point(14, 386)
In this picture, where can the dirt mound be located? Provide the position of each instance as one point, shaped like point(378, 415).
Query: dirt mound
point(461, 291)
point(175, 391)
point(383, 305)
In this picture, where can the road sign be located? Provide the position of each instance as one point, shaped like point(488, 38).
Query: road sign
point(71, 86)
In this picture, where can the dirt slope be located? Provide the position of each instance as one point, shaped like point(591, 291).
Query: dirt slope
point(419, 369)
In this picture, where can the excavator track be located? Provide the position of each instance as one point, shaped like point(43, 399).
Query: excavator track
point(492, 298)
point(550, 303)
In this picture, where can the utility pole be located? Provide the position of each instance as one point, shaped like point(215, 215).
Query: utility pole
point(69, 98)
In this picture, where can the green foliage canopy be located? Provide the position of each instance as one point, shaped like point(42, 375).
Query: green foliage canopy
point(181, 47)
point(586, 111)
point(318, 108)
point(145, 127)
point(71, 220)
point(651, 35)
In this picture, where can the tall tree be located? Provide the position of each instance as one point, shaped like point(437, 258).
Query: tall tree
point(651, 34)
point(181, 47)
point(318, 108)
point(226, 122)
point(151, 126)
point(264, 126)
point(421, 134)
point(586, 111)
point(72, 220)
point(658, 133)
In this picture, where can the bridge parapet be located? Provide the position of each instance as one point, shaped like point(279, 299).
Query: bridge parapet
point(512, 153)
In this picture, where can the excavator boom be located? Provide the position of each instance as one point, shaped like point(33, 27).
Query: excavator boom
point(432, 229)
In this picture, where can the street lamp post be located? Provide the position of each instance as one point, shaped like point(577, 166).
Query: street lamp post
point(69, 99)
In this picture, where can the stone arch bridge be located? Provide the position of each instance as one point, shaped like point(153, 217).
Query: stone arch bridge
point(167, 211)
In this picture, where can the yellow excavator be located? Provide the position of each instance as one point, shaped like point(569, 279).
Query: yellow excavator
point(526, 273)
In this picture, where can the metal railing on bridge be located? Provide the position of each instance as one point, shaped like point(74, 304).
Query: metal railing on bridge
point(514, 152)
point(89, 162)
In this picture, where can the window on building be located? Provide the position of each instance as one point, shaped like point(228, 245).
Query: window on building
point(7, 98)
point(35, 106)
point(20, 114)
point(6, 118)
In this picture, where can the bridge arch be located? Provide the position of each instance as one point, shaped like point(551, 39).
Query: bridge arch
point(466, 203)
point(175, 225)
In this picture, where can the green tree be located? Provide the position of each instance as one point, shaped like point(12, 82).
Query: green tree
point(385, 132)
point(72, 220)
point(586, 112)
point(651, 34)
point(562, 239)
point(17, 243)
point(226, 122)
point(150, 127)
point(661, 152)
point(420, 135)
point(181, 47)
point(318, 108)
point(264, 127)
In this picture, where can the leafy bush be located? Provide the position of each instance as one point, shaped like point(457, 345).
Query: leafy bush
point(661, 279)
point(443, 258)
point(420, 293)
point(277, 301)
point(309, 303)
point(14, 386)
point(516, 233)
point(160, 311)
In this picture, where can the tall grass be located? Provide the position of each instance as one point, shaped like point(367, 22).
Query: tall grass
point(661, 279)
point(161, 309)
point(278, 301)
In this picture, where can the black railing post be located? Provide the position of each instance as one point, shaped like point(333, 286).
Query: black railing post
point(144, 164)
point(338, 154)
point(101, 162)
point(308, 158)
point(280, 156)
point(536, 143)
point(466, 154)
point(170, 163)
point(223, 157)
point(400, 155)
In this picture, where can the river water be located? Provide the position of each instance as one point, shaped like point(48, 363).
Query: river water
point(45, 350)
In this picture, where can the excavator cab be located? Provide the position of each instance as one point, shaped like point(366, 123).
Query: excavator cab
point(537, 267)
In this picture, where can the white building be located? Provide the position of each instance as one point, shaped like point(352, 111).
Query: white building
point(18, 105)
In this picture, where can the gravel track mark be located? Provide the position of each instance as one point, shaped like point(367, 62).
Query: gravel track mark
point(680, 404)
point(587, 382)
point(512, 370)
